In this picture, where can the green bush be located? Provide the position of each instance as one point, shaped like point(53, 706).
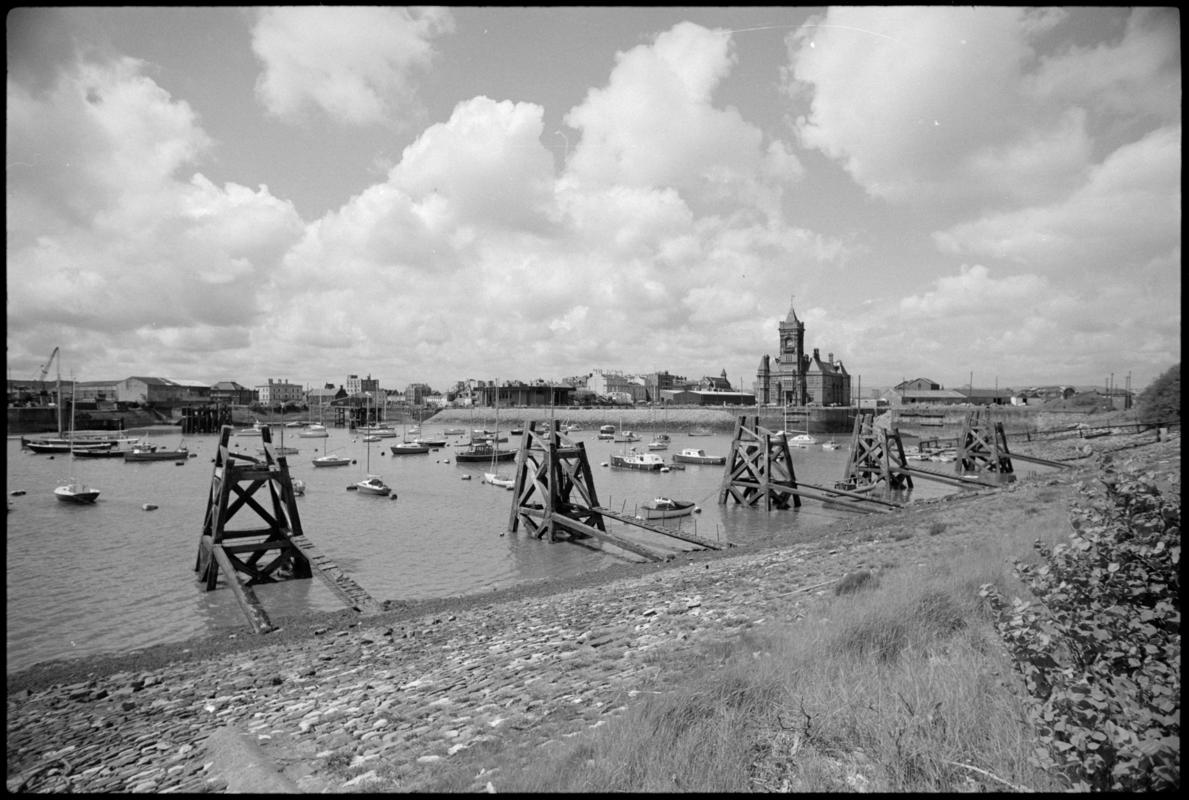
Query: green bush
point(1100, 651)
point(1161, 401)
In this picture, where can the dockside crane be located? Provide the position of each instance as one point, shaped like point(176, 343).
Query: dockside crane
point(45, 368)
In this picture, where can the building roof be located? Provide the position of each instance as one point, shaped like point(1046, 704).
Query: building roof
point(985, 392)
point(929, 381)
point(933, 394)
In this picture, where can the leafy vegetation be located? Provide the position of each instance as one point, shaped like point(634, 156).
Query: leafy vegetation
point(1161, 401)
point(1100, 648)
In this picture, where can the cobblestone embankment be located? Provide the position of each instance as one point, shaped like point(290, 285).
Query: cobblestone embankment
point(333, 707)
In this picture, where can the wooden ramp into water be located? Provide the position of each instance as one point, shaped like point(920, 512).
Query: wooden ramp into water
point(675, 533)
point(278, 549)
point(954, 479)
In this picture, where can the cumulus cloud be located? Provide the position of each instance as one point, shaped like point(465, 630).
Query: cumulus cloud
point(947, 104)
point(1127, 211)
point(111, 217)
point(654, 125)
point(353, 63)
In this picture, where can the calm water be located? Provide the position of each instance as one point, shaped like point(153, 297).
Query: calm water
point(115, 577)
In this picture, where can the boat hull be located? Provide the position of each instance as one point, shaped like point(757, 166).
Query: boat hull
point(156, 455)
point(486, 455)
point(71, 494)
point(58, 447)
point(623, 462)
point(374, 486)
point(677, 508)
point(331, 462)
point(711, 460)
point(409, 449)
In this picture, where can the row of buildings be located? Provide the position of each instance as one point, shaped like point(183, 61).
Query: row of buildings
point(795, 376)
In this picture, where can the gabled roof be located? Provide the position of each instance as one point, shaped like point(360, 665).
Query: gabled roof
point(934, 394)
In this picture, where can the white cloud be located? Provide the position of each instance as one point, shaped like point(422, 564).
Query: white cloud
point(351, 62)
point(1127, 211)
point(654, 125)
point(106, 237)
point(944, 104)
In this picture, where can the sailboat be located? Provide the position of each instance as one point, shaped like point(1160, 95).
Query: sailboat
point(800, 439)
point(485, 448)
point(492, 476)
point(408, 448)
point(372, 484)
point(660, 440)
point(74, 491)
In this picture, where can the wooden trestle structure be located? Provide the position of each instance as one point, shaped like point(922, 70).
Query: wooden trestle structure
point(276, 551)
point(760, 467)
point(876, 457)
point(982, 447)
point(554, 496)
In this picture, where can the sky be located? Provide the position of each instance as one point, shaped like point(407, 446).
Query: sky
point(429, 195)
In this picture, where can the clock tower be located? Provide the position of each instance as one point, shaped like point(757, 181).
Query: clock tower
point(792, 359)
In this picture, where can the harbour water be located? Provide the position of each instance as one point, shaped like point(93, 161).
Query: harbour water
point(113, 577)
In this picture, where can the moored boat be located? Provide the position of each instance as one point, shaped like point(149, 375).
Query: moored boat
point(483, 452)
point(648, 462)
point(150, 453)
point(76, 492)
point(606, 431)
point(408, 448)
point(372, 484)
point(667, 508)
point(331, 460)
point(64, 447)
point(314, 431)
point(696, 455)
point(495, 479)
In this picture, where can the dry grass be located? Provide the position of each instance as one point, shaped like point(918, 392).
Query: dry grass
point(896, 684)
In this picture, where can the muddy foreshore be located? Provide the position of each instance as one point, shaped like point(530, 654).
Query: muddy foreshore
point(331, 698)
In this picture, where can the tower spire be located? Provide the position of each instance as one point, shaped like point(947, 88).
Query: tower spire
point(791, 319)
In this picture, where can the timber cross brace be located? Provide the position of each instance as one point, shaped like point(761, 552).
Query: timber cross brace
point(983, 446)
point(760, 466)
point(876, 454)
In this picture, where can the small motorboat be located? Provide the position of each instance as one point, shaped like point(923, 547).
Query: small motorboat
point(648, 462)
point(76, 492)
point(151, 453)
point(408, 448)
point(667, 508)
point(696, 455)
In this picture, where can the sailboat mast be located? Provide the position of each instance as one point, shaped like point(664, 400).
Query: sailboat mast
point(60, 400)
